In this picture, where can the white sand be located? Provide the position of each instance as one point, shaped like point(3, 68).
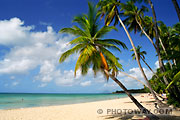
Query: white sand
point(83, 111)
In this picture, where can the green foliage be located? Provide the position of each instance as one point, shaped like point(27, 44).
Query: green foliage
point(146, 90)
point(139, 52)
point(171, 39)
point(109, 9)
point(176, 79)
point(171, 90)
point(143, 90)
point(94, 51)
point(133, 15)
point(89, 43)
point(173, 101)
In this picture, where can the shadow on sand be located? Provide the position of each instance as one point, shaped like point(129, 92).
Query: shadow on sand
point(139, 117)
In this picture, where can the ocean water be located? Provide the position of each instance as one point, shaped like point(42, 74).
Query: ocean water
point(25, 100)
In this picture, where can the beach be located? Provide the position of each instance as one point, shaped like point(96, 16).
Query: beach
point(114, 109)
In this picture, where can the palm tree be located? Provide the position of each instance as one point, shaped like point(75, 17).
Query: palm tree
point(142, 57)
point(171, 38)
point(110, 9)
point(135, 18)
point(157, 37)
point(177, 8)
point(94, 50)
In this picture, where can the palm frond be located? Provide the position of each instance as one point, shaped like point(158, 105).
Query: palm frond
point(66, 54)
point(74, 31)
point(85, 54)
point(80, 39)
point(107, 45)
point(103, 31)
point(114, 41)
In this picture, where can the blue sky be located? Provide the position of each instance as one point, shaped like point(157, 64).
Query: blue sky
point(30, 46)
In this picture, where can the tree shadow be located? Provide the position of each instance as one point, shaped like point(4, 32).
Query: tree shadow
point(139, 117)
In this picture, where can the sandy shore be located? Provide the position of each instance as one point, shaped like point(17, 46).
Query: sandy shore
point(114, 109)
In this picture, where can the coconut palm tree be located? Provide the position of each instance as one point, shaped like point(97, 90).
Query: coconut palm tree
point(135, 18)
point(175, 3)
point(171, 38)
point(109, 8)
point(142, 57)
point(158, 40)
point(94, 51)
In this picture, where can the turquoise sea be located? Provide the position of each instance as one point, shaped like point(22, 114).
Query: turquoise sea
point(24, 100)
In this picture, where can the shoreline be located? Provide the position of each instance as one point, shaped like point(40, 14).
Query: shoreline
point(97, 110)
point(64, 104)
point(121, 95)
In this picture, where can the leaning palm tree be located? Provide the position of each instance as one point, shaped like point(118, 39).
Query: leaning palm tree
point(110, 9)
point(142, 57)
point(94, 51)
point(134, 19)
point(157, 37)
point(175, 3)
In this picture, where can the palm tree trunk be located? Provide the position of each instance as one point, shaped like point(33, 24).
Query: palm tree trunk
point(152, 41)
point(165, 52)
point(161, 65)
point(138, 81)
point(177, 8)
point(149, 67)
point(133, 78)
point(136, 55)
point(174, 61)
point(146, 34)
point(143, 109)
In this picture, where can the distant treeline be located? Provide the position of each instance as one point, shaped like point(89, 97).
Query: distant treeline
point(133, 91)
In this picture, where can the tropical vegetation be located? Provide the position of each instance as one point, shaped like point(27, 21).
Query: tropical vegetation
point(95, 51)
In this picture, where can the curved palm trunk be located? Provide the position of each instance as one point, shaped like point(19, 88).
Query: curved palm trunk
point(153, 42)
point(162, 68)
point(133, 78)
point(161, 65)
point(164, 49)
point(177, 8)
point(149, 67)
point(136, 55)
point(146, 34)
point(138, 81)
point(143, 109)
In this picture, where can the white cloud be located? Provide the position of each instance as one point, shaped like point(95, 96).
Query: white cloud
point(32, 49)
point(135, 72)
point(67, 78)
point(46, 70)
point(41, 49)
point(86, 83)
point(29, 49)
point(15, 83)
point(156, 64)
point(110, 85)
point(12, 32)
point(21, 66)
